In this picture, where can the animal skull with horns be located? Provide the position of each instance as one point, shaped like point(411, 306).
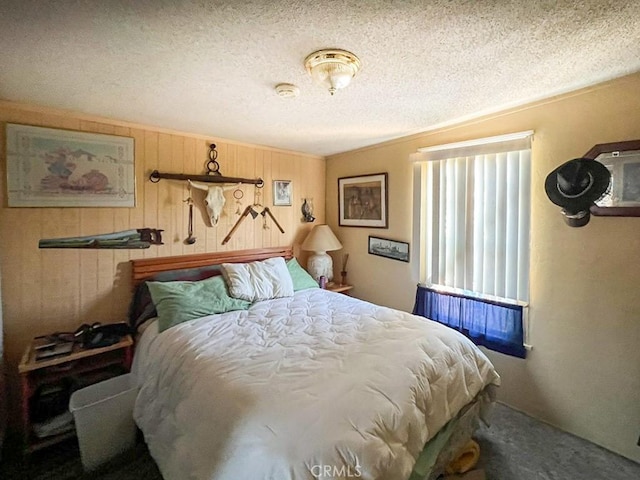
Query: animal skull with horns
point(214, 200)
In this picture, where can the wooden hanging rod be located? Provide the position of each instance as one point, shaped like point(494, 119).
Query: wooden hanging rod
point(156, 176)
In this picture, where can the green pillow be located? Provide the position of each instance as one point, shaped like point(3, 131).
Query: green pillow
point(177, 302)
point(301, 279)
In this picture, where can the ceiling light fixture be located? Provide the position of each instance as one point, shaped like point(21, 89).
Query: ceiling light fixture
point(332, 68)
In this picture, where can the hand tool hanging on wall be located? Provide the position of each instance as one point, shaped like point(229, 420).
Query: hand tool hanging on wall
point(254, 211)
point(250, 210)
point(190, 240)
point(139, 238)
point(246, 212)
point(266, 212)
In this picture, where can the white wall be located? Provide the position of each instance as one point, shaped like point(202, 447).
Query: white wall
point(583, 374)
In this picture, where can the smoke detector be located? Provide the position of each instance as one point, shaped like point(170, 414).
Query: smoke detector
point(287, 90)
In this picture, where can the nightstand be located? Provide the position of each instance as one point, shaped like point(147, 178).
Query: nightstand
point(336, 287)
point(44, 381)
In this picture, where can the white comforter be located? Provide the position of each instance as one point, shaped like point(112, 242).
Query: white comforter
point(318, 385)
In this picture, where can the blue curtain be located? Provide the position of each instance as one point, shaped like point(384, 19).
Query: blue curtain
point(497, 326)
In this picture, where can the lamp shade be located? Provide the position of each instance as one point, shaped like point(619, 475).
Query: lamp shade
point(321, 239)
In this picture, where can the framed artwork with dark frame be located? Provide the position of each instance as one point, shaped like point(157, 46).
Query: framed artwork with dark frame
point(385, 247)
point(363, 201)
point(50, 167)
point(282, 192)
point(622, 159)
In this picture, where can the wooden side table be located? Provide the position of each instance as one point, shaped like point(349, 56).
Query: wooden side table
point(336, 287)
point(87, 365)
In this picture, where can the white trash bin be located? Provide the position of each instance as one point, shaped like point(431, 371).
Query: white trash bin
point(103, 414)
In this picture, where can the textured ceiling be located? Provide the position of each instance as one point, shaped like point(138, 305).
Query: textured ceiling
point(210, 67)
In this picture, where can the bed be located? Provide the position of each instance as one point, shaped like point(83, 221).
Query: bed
point(315, 384)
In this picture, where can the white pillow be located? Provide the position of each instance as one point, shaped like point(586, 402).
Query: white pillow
point(258, 280)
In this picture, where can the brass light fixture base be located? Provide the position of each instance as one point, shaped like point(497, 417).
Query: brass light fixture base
point(332, 68)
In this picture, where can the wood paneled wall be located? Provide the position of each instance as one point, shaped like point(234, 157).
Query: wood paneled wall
point(57, 290)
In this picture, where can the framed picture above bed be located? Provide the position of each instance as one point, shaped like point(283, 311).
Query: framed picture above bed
point(363, 201)
point(48, 167)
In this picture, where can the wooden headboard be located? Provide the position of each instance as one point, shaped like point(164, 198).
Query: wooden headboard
point(144, 268)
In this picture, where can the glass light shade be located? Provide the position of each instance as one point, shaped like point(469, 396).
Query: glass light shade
point(332, 69)
point(332, 76)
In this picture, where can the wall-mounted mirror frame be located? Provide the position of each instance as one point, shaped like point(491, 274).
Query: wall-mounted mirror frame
point(623, 161)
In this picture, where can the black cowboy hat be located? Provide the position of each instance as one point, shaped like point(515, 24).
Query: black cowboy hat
point(577, 184)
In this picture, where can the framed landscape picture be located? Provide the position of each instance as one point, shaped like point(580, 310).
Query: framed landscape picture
point(384, 247)
point(363, 201)
point(48, 167)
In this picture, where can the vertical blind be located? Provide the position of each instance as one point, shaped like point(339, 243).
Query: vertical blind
point(474, 216)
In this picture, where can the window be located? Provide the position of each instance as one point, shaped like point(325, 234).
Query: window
point(472, 228)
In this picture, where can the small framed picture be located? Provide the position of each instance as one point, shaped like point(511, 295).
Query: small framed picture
point(282, 192)
point(622, 159)
point(384, 247)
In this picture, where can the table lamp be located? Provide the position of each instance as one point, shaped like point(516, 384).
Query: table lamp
point(320, 241)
